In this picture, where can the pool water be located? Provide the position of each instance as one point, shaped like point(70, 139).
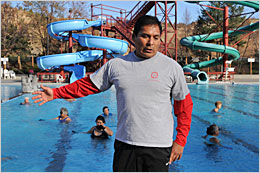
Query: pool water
point(31, 145)
point(239, 123)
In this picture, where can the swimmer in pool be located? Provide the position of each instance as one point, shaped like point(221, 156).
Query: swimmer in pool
point(26, 101)
point(100, 130)
point(106, 111)
point(212, 135)
point(6, 158)
point(218, 105)
point(64, 117)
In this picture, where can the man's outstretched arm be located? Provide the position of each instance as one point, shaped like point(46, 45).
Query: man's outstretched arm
point(80, 88)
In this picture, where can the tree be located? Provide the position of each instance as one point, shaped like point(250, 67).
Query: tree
point(41, 13)
point(206, 25)
point(255, 41)
point(187, 20)
point(44, 12)
point(14, 37)
point(79, 9)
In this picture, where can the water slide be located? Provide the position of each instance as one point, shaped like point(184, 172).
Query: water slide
point(196, 43)
point(60, 31)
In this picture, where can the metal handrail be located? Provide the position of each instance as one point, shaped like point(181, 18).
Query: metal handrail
point(133, 9)
point(139, 9)
point(124, 35)
point(121, 23)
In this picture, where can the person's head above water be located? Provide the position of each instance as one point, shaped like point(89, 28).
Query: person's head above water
point(26, 100)
point(213, 130)
point(146, 35)
point(64, 111)
point(100, 120)
point(64, 115)
point(218, 104)
point(106, 110)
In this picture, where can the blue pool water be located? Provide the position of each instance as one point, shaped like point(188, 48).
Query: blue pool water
point(37, 146)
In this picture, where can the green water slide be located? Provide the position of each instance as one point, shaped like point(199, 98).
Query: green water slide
point(197, 42)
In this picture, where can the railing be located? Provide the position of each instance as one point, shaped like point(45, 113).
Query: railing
point(220, 76)
point(119, 21)
point(122, 24)
point(128, 38)
point(51, 77)
point(106, 8)
point(134, 9)
point(139, 10)
point(121, 27)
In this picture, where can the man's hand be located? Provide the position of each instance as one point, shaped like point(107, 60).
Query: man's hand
point(43, 96)
point(176, 153)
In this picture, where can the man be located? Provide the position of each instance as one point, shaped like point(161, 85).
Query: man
point(145, 82)
point(106, 111)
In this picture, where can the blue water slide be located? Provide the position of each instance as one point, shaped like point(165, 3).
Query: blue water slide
point(115, 45)
point(49, 61)
point(60, 31)
point(77, 72)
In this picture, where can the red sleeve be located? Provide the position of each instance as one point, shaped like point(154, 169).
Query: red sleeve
point(79, 88)
point(183, 110)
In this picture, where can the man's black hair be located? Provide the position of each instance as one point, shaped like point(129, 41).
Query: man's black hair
point(105, 108)
point(100, 117)
point(144, 21)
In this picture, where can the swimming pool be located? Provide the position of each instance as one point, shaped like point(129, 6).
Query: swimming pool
point(38, 146)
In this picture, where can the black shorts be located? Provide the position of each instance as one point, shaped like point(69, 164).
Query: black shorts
point(131, 158)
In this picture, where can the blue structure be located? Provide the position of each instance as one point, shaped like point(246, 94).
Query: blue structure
point(60, 31)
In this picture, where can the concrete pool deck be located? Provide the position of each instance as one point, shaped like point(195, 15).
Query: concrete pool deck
point(246, 79)
point(238, 79)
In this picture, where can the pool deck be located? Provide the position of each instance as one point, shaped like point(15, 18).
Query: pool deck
point(238, 79)
point(246, 79)
point(18, 81)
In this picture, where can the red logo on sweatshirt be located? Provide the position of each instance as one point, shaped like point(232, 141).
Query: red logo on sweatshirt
point(154, 75)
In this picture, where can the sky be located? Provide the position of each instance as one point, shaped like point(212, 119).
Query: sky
point(128, 5)
point(193, 9)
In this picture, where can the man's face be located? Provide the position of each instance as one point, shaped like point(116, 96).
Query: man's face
point(147, 41)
